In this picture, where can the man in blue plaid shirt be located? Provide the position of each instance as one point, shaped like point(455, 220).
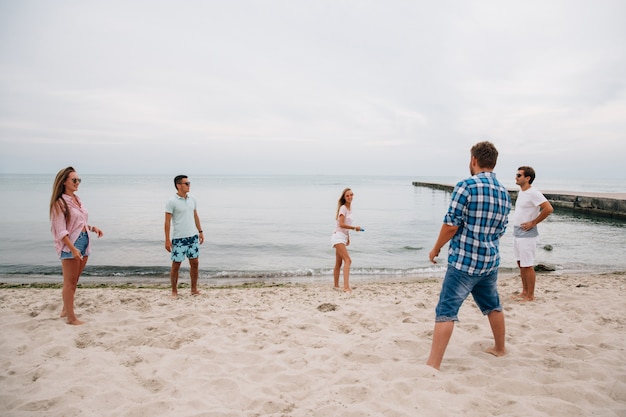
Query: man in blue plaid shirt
point(475, 221)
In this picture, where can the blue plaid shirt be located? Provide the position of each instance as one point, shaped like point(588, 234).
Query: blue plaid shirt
point(480, 207)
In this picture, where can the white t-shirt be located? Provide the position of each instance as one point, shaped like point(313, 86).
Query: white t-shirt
point(347, 214)
point(526, 210)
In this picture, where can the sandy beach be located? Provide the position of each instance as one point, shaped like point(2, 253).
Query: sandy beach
point(307, 350)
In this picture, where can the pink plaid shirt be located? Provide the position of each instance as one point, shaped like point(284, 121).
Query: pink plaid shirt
point(77, 223)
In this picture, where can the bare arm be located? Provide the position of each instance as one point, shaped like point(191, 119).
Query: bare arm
point(545, 210)
point(343, 225)
point(168, 223)
point(446, 233)
point(196, 218)
point(96, 230)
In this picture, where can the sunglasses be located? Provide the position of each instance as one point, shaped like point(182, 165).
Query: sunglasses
point(76, 180)
point(185, 183)
point(518, 175)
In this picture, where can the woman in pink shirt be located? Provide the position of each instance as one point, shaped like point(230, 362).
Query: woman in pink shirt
point(68, 217)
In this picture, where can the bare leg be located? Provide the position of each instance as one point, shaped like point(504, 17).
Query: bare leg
point(528, 280)
point(337, 270)
point(524, 286)
point(342, 252)
point(441, 337)
point(174, 278)
point(496, 320)
point(193, 271)
point(72, 268)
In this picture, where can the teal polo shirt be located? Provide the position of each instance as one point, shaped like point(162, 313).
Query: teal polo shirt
point(182, 210)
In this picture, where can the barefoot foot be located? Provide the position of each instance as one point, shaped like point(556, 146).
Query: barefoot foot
point(495, 352)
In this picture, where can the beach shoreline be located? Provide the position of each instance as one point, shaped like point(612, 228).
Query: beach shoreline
point(143, 281)
point(303, 349)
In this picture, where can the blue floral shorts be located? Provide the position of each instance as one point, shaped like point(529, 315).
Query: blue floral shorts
point(185, 247)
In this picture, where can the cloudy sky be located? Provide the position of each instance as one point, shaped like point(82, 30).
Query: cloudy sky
point(312, 86)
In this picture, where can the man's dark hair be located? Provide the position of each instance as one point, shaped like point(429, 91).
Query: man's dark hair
point(528, 172)
point(486, 154)
point(179, 179)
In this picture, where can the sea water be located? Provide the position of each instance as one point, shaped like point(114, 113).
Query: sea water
point(278, 228)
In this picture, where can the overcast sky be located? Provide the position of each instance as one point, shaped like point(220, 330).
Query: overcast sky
point(312, 87)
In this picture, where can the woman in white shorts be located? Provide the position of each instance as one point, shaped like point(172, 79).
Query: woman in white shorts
point(341, 239)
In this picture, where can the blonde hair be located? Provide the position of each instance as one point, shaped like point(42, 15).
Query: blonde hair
point(342, 201)
point(58, 188)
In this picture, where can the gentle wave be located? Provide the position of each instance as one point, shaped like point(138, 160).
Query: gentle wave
point(161, 271)
point(93, 271)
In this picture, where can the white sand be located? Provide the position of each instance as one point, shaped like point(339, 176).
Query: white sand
point(270, 352)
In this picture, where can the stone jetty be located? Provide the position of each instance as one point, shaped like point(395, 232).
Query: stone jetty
point(608, 205)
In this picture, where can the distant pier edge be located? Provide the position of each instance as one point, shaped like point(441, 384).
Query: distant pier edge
point(607, 205)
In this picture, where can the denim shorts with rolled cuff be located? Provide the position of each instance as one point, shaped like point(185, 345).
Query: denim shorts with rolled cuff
point(458, 285)
point(82, 241)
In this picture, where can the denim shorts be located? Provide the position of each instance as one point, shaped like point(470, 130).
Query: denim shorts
point(457, 285)
point(185, 247)
point(82, 241)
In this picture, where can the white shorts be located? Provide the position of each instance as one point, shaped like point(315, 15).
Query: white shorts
point(524, 250)
point(338, 237)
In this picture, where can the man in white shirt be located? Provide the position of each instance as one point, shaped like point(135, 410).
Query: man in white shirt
point(531, 208)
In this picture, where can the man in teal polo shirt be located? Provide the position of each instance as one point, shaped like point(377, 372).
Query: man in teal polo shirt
point(185, 241)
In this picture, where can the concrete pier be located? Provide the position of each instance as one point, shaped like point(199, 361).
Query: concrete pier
point(608, 205)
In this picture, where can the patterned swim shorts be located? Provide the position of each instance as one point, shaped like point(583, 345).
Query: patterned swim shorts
point(185, 247)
